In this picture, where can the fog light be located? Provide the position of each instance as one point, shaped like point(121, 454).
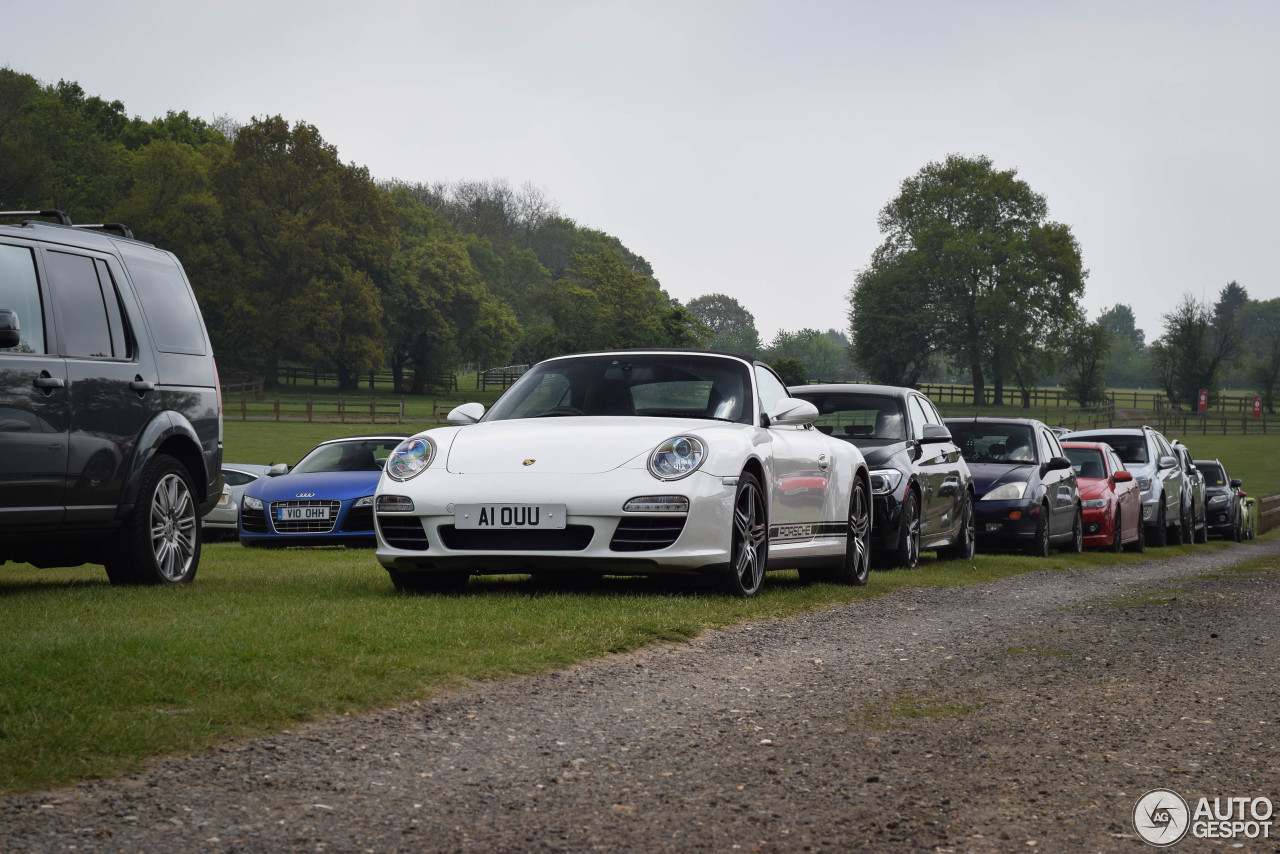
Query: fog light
point(994, 526)
point(658, 504)
point(395, 504)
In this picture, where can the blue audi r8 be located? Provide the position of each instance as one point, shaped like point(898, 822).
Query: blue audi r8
point(324, 500)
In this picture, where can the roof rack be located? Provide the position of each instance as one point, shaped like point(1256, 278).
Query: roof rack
point(124, 230)
point(62, 218)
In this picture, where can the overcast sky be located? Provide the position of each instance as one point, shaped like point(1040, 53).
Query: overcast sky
point(746, 147)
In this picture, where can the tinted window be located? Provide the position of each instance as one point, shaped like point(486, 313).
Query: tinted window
point(1087, 462)
point(1214, 475)
point(994, 443)
point(173, 318)
point(238, 478)
point(1132, 450)
point(20, 292)
point(854, 416)
point(79, 305)
point(361, 455)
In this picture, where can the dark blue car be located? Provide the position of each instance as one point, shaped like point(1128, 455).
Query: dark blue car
point(1025, 485)
point(325, 500)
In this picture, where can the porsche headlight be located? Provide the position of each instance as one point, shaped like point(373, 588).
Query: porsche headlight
point(410, 458)
point(677, 457)
point(1007, 491)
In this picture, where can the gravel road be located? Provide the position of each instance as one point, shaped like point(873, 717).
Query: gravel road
point(1025, 714)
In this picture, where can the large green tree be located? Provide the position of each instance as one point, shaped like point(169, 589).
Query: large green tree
point(309, 236)
point(733, 328)
point(1260, 332)
point(1000, 281)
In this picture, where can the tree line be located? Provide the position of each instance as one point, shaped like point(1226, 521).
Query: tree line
point(973, 278)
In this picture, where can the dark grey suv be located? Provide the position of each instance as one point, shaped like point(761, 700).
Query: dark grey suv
point(110, 412)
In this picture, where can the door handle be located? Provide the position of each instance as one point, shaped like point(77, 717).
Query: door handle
point(48, 380)
point(140, 385)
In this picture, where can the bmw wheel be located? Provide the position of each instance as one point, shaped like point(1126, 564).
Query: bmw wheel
point(907, 554)
point(748, 539)
point(159, 543)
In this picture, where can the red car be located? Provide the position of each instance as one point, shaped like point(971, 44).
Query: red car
point(1111, 500)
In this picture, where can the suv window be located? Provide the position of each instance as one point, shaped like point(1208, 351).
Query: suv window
point(166, 300)
point(87, 306)
point(20, 292)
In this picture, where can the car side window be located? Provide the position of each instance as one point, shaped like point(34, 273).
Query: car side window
point(20, 292)
point(918, 418)
point(770, 388)
point(88, 308)
point(174, 319)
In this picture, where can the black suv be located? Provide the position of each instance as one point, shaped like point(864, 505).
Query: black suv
point(922, 491)
point(110, 411)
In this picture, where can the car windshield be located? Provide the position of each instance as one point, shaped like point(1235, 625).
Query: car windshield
point(1213, 474)
point(657, 385)
point(857, 417)
point(993, 443)
point(1132, 450)
point(354, 455)
point(1087, 462)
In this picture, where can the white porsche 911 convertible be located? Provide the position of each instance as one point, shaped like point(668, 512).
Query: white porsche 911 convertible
point(627, 462)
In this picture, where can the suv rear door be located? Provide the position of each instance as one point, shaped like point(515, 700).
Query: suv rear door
point(111, 381)
point(33, 400)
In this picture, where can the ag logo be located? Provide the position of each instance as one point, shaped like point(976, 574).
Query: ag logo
point(1161, 817)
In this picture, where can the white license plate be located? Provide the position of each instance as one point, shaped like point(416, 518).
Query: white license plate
point(303, 514)
point(508, 516)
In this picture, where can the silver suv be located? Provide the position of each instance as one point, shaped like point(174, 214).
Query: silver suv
point(110, 413)
point(1166, 496)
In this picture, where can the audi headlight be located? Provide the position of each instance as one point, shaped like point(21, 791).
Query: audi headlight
point(410, 458)
point(1007, 491)
point(251, 503)
point(1093, 503)
point(885, 481)
point(367, 501)
point(677, 457)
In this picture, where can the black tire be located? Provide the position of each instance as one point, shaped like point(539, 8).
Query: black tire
point(1116, 543)
point(159, 543)
point(966, 538)
point(418, 583)
point(1237, 531)
point(1178, 534)
point(748, 539)
point(1039, 545)
point(1161, 530)
point(907, 554)
point(1139, 545)
point(1076, 545)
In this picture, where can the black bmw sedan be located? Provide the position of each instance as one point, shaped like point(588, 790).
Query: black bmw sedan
point(922, 492)
point(1025, 485)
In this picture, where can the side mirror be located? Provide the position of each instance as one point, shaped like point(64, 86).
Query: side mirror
point(1236, 483)
point(278, 469)
point(1122, 476)
point(10, 331)
point(1168, 462)
point(935, 434)
point(1057, 464)
point(467, 413)
point(793, 412)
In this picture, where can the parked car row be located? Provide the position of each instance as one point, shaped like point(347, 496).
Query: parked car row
point(648, 461)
